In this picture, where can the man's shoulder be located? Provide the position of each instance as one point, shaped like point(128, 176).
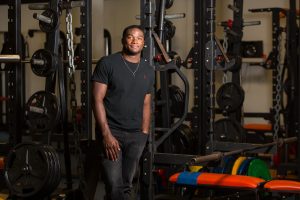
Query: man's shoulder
point(108, 60)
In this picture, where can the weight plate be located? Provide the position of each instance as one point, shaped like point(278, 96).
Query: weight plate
point(218, 170)
point(169, 29)
point(195, 168)
point(43, 63)
point(221, 169)
point(168, 4)
point(183, 140)
point(237, 164)
point(42, 111)
point(174, 56)
point(176, 100)
point(230, 97)
point(258, 168)
point(229, 162)
point(44, 190)
point(52, 26)
point(55, 167)
point(244, 166)
point(26, 170)
point(228, 130)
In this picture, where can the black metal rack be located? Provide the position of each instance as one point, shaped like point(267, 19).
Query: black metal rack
point(15, 81)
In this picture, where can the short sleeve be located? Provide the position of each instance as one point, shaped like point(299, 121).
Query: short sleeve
point(152, 79)
point(101, 72)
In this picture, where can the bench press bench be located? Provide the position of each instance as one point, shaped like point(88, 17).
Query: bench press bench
point(234, 182)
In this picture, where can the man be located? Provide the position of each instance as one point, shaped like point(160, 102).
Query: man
point(122, 86)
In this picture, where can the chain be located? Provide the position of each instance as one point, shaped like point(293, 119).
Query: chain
point(73, 103)
point(69, 23)
point(277, 106)
point(225, 42)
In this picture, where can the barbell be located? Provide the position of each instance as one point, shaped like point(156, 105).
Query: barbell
point(43, 62)
point(15, 58)
point(218, 155)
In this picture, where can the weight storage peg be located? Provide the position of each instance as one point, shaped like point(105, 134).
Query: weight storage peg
point(48, 20)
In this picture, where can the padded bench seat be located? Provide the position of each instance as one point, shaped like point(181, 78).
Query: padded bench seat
point(258, 127)
point(234, 182)
point(282, 186)
point(1, 163)
point(216, 180)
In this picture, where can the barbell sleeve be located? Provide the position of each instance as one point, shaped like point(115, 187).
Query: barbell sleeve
point(42, 18)
point(169, 16)
point(38, 6)
point(235, 9)
point(9, 58)
point(175, 16)
point(37, 61)
point(207, 158)
point(251, 23)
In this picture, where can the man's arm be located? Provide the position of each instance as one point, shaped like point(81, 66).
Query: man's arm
point(146, 114)
point(110, 143)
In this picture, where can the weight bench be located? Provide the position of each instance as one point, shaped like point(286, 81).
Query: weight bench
point(234, 182)
point(282, 186)
point(1, 163)
point(258, 127)
point(257, 132)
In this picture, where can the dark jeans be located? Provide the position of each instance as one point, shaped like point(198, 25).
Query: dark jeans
point(118, 175)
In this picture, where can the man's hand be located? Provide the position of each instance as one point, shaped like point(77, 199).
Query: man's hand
point(111, 146)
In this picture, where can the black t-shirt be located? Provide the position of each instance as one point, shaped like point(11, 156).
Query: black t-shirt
point(125, 94)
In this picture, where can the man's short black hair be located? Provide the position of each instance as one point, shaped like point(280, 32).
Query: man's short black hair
point(131, 27)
